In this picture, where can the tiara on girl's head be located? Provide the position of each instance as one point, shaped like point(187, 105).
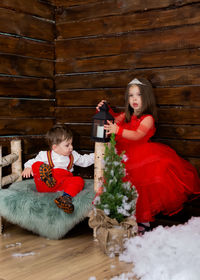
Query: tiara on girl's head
point(136, 82)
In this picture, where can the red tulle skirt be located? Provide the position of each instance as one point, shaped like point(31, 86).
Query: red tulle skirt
point(164, 180)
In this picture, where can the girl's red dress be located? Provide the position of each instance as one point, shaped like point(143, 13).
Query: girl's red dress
point(164, 180)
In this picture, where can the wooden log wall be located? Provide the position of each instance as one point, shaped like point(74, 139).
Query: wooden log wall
point(27, 98)
point(101, 45)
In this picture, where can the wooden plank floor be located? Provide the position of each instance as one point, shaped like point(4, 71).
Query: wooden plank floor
point(75, 257)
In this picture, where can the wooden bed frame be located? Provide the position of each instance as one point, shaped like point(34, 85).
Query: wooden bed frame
point(15, 160)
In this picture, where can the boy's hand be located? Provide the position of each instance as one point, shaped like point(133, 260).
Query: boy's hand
point(27, 172)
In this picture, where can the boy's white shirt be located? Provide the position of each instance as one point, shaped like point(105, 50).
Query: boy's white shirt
point(62, 162)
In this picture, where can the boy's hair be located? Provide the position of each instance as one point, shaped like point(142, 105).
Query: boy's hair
point(148, 100)
point(58, 133)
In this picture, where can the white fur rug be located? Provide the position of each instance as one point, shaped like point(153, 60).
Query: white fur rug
point(170, 253)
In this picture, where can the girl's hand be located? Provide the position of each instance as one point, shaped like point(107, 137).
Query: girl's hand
point(27, 172)
point(111, 128)
point(100, 104)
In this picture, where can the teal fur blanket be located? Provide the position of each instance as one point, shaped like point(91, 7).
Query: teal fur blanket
point(21, 204)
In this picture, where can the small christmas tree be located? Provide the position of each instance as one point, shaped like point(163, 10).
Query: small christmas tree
point(118, 198)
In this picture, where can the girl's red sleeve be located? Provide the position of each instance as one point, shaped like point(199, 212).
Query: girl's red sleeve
point(119, 117)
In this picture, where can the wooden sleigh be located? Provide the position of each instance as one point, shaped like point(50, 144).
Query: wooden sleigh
point(21, 204)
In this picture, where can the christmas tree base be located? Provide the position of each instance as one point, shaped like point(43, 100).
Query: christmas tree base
point(111, 234)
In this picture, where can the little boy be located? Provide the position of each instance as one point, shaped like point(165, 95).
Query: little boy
point(52, 170)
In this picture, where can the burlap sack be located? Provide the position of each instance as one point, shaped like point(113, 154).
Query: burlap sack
point(111, 234)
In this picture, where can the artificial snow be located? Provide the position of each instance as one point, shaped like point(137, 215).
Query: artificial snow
point(97, 200)
point(124, 209)
point(6, 235)
point(127, 185)
point(125, 276)
point(124, 158)
point(107, 211)
point(20, 255)
point(13, 245)
point(166, 253)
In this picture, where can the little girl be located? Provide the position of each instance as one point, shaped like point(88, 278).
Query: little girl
point(164, 180)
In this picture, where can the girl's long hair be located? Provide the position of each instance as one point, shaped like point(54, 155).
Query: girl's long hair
point(148, 100)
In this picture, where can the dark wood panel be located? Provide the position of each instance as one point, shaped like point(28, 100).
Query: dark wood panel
point(112, 7)
point(176, 115)
point(23, 66)
point(26, 87)
point(70, 3)
point(26, 47)
point(148, 41)
point(20, 108)
point(84, 143)
point(129, 61)
point(183, 95)
point(33, 145)
point(186, 95)
point(33, 7)
point(6, 149)
point(130, 22)
point(178, 131)
point(185, 148)
point(80, 130)
point(85, 173)
point(25, 25)
point(26, 126)
point(74, 115)
point(159, 77)
point(90, 97)
point(179, 115)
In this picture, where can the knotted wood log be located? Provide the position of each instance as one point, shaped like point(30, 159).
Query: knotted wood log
point(17, 165)
point(98, 165)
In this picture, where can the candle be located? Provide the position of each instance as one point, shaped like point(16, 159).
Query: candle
point(100, 131)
